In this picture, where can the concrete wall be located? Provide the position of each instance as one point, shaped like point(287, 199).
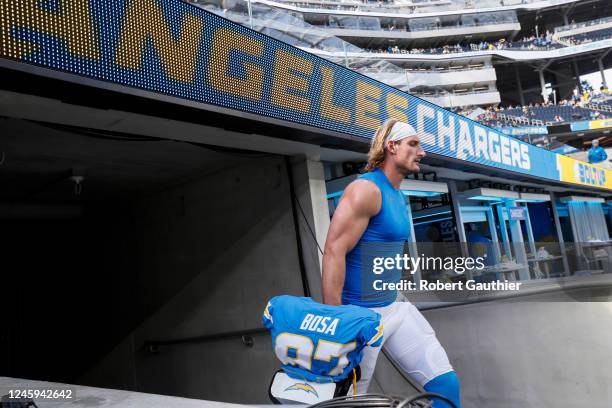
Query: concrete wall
point(202, 258)
point(550, 350)
point(313, 217)
point(545, 350)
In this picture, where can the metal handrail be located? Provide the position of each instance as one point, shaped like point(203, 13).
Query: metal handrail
point(152, 346)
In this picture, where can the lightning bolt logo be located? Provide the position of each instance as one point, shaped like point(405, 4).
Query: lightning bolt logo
point(304, 387)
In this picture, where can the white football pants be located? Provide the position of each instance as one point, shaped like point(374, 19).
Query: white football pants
point(411, 343)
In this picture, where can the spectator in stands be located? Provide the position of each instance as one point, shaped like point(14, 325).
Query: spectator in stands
point(549, 37)
point(527, 43)
point(596, 153)
point(594, 115)
point(576, 94)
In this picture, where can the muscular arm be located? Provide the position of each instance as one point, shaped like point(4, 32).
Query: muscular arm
point(360, 202)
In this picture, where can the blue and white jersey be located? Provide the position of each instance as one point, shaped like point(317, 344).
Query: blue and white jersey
point(384, 237)
point(317, 342)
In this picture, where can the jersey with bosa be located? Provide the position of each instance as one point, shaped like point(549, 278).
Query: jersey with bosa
point(318, 342)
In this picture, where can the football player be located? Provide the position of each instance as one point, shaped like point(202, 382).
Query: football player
point(372, 221)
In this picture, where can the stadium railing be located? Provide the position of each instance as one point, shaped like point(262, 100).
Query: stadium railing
point(584, 24)
point(414, 7)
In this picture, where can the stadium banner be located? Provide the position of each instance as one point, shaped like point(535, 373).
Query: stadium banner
point(586, 174)
point(523, 131)
point(169, 48)
point(578, 126)
point(600, 124)
point(590, 125)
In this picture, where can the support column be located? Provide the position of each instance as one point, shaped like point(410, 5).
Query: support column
point(542, 84)
point(503, 230)
point(532, 246)
point(414, 251)
point(553, 204)
point(577, 75)
point(313, 216)
point(518, 241)
point(454, 196)
point(519, 85)
point(494, 238)
point(602, 73)
point(346, 62)
point(250, 11)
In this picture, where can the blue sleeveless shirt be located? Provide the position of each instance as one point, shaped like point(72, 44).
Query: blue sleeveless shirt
point(384, 237)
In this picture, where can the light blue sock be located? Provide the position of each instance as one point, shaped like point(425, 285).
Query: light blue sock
point(447, 385)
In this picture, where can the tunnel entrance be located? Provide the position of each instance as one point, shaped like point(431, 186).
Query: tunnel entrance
point(112, 240)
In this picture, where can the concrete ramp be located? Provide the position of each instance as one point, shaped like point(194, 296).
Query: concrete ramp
point(91, 397)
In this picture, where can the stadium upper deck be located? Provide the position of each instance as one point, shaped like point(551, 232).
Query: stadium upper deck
point(454, 69)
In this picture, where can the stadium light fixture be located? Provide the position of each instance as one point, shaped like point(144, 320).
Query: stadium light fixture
point(426, 214)
point(489, 194)
point(432, 221)
point(335, 194)
point(422, 188)
point(533, 198)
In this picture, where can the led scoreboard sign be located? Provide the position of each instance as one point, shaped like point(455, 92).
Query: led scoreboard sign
point(175, 49)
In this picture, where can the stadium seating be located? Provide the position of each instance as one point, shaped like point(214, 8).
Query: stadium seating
point(549, 113)
point(590, 36)
point(542, 115)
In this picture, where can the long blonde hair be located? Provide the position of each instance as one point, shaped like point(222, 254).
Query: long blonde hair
point(376, 155)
